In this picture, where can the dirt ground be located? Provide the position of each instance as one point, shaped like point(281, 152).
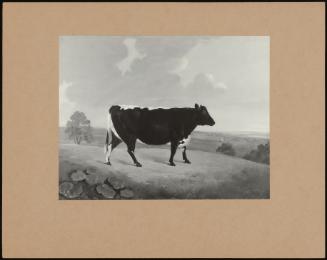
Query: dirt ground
point(210, 176)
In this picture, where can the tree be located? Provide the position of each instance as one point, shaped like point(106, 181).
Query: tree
point(226, 148)
point(78, 128)
point(261, 154)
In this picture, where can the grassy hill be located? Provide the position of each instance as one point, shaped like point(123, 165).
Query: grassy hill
point(211, 175)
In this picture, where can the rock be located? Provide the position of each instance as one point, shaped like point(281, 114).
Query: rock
point(94, 179)
point(106, 191)
point(69, 190)
point(126, 194)
point(65, 169)
point(84, 196)
point(91, 170)
point(76, 191)
point(65, 188)
point(115, 183)
point(78, 176)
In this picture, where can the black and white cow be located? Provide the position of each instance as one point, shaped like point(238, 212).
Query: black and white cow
point(154, 127)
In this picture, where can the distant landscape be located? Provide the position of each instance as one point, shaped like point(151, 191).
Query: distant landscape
point(243, 142)
point(212, 174)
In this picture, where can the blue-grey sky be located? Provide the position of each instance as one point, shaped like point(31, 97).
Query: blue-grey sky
point(227, 74)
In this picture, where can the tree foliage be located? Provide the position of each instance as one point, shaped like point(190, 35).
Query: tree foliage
point(261, 154)
point(78, 128)
point(226, 148)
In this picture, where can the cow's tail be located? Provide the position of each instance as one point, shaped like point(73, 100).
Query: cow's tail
point(109, 133)
point(106, 143)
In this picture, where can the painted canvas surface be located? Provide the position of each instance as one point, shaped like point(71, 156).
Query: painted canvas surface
point(164, 117)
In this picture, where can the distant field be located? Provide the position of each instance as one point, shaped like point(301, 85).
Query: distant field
point(243, 143)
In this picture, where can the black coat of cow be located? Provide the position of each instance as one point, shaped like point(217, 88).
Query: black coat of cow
point(154, 127)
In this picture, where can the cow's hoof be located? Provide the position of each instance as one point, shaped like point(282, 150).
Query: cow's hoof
point(187, 162)
point(138, 164)
point(172, 164)
point(108, 163)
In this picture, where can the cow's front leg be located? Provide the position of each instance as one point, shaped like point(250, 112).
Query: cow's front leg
point(184, 156)
point(131, 149)
point(173, 148)
point(131, 153)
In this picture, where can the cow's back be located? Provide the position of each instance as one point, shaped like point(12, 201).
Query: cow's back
point(126, 120)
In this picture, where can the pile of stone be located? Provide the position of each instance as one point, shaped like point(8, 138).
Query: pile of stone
point(88, 184)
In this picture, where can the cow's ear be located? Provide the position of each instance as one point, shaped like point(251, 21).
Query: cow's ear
point(196, 106)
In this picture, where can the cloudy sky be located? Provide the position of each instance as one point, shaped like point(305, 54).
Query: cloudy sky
point(227, 74)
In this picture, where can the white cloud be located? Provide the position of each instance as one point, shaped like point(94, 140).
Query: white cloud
point(206, 82)
point(132, 55)
point(180, 65)
point(220, 85)
point(216, 85)
point(66, 107)
point(62, 91)
point(204, 89)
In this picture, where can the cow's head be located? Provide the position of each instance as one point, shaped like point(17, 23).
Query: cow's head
point(203, 117)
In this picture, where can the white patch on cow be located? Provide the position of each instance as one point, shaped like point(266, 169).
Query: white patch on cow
point(139, 141)
point(185, 142)
point(124, 107)
point(111, 128)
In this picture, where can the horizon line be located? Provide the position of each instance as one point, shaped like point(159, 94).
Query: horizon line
point(215, 131)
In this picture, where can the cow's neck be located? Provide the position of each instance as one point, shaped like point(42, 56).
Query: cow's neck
point(189, 123)
point(189, 129)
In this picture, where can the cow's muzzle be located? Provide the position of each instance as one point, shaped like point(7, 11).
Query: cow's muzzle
point(212, 122)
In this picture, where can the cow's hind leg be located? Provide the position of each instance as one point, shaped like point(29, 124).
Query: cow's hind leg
point(107, 147)
point(108, 152)
point(184, 155)
point(115, 141)
point(112, 141)
point(131, 149)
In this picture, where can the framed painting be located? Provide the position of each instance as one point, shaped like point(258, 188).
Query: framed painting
point(163, 130)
